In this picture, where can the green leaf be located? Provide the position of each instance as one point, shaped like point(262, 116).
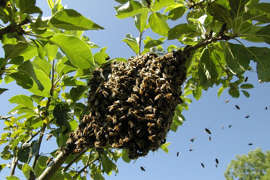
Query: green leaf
point(77, 92)
point(159, 4)
point(41, 165)
point(12, 178)
point(28, 6)
point(245, 93)
point(264, 7)
point(100, 57)
point(26, 169)
point(158, 23)
point(107, 164)
point(2, 90)
point(25, 50)
point(164, 147)
point(125, 156)
point(264, 33)
point(23, 153)
point(141, 20)
point(121, 1)
point(2, 166)
point(132, 43)
point(237, 7)
point(234, 92)
point(51, 50)
point(22, 100)
point(43, 65)
point(220, 13)
point(149, 42)
point(261, 56)
point(22, 79)
point(179, 31)
point(70, 19)
point(247, 86)
point(77, 50)
point(129, 9)
point(176, 13)
point(237, 57)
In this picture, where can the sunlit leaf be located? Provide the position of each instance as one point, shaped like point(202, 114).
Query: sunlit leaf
point(27, 169)
point(132, 43)
point(129, 9)
point(70, 19)
point(158, 23)
point(164, 147)
point(78, 51)
point(22, 100)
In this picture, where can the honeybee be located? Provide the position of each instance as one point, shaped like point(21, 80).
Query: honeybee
point(150, 116)
point(158, 97)
point(152, 138)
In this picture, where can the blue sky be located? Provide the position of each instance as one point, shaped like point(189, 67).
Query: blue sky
point(209, 112)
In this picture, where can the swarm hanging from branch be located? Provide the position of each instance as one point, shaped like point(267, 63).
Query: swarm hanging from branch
point(131, 104)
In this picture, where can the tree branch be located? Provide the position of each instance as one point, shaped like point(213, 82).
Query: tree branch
point(50, 171)
point(13, 165)
point(13, 28)
point(42, 131)
point(60, 159)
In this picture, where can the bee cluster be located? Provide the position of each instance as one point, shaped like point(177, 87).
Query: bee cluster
point(131, 104)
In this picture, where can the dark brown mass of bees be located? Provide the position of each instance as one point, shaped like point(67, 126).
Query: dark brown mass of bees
point(131, 104)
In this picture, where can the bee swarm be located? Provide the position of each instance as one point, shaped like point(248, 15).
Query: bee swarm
point(131, 104)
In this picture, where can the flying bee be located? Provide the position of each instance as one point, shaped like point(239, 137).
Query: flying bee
point(49, 136)
point(192, 140)
point(237, 107)
point(142, 168)
point(177, 154)
point(208, 131)
point(105, 93)
point(247, 116)
point(203, 166)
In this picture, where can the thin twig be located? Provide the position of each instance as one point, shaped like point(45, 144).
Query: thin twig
point(140, 42)
point(87, 165)
point(75, 159)
point(42, 131)
point(14, 165)
point(33, 136)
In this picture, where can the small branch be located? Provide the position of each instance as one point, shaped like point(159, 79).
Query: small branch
point(33, 136)
point(87, 164)
point(14, 165)
point(13, 28)
point(42, 131)
point(50, 171)
point(140, 42)
point(75, 159)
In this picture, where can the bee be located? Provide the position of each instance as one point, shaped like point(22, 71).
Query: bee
point(250, 144)
point(49, 161)
point(192, 140)
point(105, 94)
point(230, 126)
point(49, 136)
point(209, 138)
point(116, 128)
point(246, 79)
point(150, 116)
point(217, 161)
point(177, 154)
point(203, 166)
point(142, 168)
point(168, 96)
point(131, 124)
point(152, 138)
point(247, 116)
point(237, 107)
point(207, 131)
point(157, 97)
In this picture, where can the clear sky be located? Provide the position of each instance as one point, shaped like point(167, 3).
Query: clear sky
point(209, 112)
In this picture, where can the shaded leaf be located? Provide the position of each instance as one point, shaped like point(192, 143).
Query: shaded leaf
point(107, 164)
point(141, 20)
point(2, 90)
point(26, 169)
point(247, 86)
point(179, 30)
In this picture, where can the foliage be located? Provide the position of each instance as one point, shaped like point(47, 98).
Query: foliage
point(52, 59)
point(254, 165)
